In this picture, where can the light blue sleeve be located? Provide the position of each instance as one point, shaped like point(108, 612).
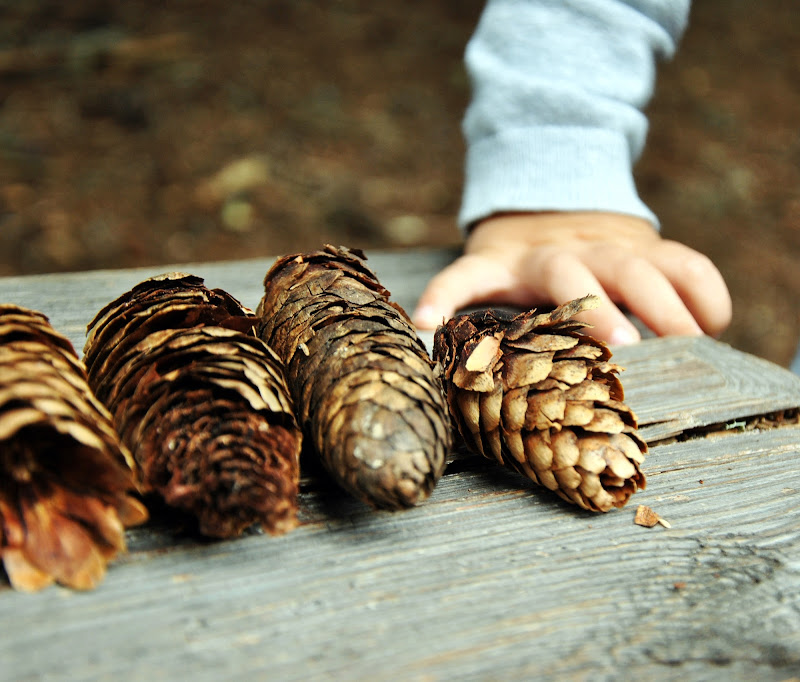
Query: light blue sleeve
point(556, 118)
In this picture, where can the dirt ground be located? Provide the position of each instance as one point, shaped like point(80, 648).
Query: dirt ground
point(139, 133)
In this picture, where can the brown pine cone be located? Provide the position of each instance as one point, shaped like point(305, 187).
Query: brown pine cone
point(366, 393)
point(65, 478)
point(200, 401)
point(538, 395)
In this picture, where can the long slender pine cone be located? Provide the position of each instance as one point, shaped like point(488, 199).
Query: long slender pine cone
point(65, 478)
point(539, 395)
point(201, 402)
point(367, 395)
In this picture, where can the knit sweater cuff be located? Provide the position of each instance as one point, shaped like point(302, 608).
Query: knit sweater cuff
point(550, 169)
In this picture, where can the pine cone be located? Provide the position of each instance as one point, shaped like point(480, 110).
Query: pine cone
point(366, 393)
point(538, 395)
point(64, 475)
point(200, 401)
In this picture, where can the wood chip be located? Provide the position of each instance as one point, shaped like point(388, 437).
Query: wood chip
point(645, 516)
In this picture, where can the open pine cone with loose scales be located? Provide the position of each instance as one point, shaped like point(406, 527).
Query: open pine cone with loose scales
point(536, 393)
point(200, 401)
point(367, 395)
point(65, 478)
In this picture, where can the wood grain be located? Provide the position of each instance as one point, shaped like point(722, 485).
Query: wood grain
point(490, 579)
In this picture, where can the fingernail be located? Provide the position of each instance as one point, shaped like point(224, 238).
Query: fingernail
point(425, 317)
point(624, 336)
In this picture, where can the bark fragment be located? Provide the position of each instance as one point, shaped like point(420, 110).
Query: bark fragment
point(539, 395)
point(65, 478)
point(367, 395)
point(201, 402)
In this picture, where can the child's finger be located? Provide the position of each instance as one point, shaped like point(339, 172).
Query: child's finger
point(562, 276)
point(469, 279)
point(698, 282)
point(648, 294)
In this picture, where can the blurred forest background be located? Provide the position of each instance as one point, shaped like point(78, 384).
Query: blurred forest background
point(140, 134)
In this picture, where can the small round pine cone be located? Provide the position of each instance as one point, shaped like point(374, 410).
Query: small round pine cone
point(65, 478)
point(367, 395)
point(201, 402)
point(539, 395)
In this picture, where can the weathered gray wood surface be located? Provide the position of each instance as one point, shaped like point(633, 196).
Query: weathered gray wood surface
point(489, 579)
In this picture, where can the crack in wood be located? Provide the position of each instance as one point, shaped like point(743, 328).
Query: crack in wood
point(762, 422)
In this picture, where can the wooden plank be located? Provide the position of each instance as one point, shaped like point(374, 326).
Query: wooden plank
point(487, 581)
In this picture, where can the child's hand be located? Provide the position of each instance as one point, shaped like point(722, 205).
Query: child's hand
point(530, 259)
